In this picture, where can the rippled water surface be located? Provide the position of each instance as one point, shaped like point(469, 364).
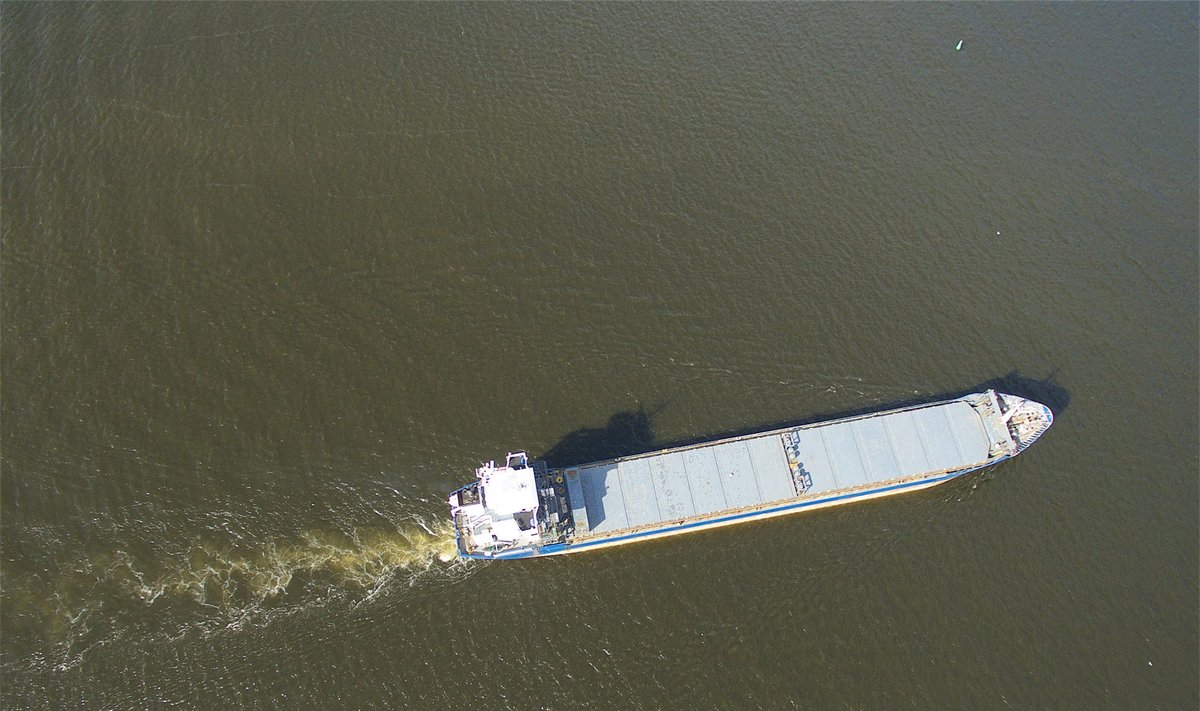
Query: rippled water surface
point(275, 277)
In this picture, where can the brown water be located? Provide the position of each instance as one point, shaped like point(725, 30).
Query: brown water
point(276, 277)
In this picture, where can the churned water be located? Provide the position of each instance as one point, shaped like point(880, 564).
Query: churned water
point(276, 277)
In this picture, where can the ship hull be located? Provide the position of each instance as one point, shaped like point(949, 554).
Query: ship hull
point(784, 509)
point(746, 478)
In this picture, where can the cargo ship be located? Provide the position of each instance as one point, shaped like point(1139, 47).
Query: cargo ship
point(525, 509)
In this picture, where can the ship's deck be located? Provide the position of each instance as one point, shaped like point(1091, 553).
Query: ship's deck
point(705, 479)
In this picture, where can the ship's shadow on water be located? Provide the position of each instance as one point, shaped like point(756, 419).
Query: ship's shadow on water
point(632, 432)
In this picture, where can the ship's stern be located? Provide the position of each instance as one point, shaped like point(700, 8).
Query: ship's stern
point(497, 515)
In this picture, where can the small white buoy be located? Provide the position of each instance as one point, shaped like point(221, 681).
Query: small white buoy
point(959, 47)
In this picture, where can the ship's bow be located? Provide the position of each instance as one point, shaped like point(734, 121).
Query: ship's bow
point(1026, 419)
